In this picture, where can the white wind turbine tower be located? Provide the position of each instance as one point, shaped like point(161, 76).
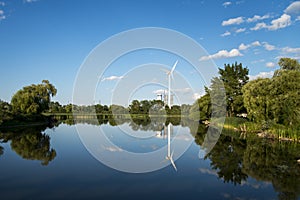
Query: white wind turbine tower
point(170, 74)
point(170, 155)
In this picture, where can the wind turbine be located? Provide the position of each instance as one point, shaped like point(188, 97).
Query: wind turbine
point(170, 75)
point(169, 154)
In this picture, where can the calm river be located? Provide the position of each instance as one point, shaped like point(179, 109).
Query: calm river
point(39, 162)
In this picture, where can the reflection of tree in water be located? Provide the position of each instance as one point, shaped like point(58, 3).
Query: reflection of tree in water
point(275, 162)
point(30, 143)
point(235, 159)
point(34, 147)
point(227, 158)
point(200, 133)
point(1, 150)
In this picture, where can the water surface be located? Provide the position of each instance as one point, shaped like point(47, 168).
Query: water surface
point(52, 163)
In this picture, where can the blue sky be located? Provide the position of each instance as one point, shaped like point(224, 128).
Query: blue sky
point(49, 39)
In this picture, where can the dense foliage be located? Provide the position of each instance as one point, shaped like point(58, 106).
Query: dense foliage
point(277, 99)
point(33, 99)
point(232, 78)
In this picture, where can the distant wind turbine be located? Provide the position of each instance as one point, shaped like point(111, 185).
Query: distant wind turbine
point(170, 75)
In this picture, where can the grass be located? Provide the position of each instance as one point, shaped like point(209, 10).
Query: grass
point(272, 130)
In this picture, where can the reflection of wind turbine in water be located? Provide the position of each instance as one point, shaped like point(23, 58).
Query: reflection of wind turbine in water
point(169, 154)
point(170, 74)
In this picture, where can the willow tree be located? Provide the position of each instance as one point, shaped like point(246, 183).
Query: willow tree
point(257, 99)
point(285, 98)
point(276, 99)
point(33, 99)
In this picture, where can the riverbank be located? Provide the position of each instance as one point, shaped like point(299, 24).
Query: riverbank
point(27, 120)
point(265, 130)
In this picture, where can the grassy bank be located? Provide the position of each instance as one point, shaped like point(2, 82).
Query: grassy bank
point(265, 130)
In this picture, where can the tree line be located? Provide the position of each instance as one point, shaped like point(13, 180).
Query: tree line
point(265, 100)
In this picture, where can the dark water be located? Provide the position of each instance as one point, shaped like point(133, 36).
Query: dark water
point(52, 163)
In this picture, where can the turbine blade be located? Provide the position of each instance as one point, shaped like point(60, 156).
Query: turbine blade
point(171, 159)
point(173, 67)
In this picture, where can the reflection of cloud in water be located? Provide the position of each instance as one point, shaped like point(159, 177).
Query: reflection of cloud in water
point(154, 147)
point(184, 137)
point(255, 184)
point(228, 196)
point(112, 149)
point(208, 171)
point(251, 182)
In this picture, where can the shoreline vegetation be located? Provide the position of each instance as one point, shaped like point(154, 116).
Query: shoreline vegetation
point(266, 107)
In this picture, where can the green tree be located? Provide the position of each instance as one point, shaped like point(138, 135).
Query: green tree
point(55, 107)
point(285, 98)
point(68, 108)
point(212, 104)
point(234, 77)
point(33, 99)
point(5, 111)
point(175, 110)
point(117, 109)
point(289, 64)
point(257, 99)
point(185, 109)
point(275, 99)
point(145, 106)
point(134, 107)
point(201, 109)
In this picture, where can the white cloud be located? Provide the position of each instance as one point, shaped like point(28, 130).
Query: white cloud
point(159, 91)
point(112, 78)
point(2, 3)
point(293, 8)
point(226, 34)
point(257, 18)
point(183, 90)
point(258, 61)
point(233, 21)
point(282, 22)
point(255, 44)
point(291, 50)
point(298, 18)
point(262, 75)
point(259, 26)
point(30, 1)
point(243, 46)
point(177, 90)
point(196, 96)
point(227, 3)
point(223, 54)
point(270, 64)
point(2, 16)
point(268, 47)
point(240, 30)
